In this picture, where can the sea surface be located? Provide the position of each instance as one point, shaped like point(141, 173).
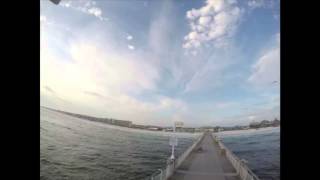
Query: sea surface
point(260, 148)
point(73, 148)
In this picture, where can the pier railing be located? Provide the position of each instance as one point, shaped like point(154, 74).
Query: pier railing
point(242, 169)
point(163, 174)
point(183, 156)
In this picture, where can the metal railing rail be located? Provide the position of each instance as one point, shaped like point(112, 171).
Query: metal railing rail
point(241, 168)
point(183, 156)
point(163, 174)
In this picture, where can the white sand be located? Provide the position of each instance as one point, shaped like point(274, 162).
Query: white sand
point(247, 132)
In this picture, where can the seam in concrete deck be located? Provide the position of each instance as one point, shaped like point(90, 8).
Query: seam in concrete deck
point(201, 173)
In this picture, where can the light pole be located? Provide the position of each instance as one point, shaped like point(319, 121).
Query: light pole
point(173, 142)
point(173, 139)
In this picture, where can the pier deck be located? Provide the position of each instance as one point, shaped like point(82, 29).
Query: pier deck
point(208, 164)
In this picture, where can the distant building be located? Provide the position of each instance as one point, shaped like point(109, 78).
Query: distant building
point(254, 125)
point(179, 129)
point(191, 130)
point(154, 128)
point(266, 123)
point(121, 123)
point(106, 120)
point(185, 129)
point(138, 126)
point(168, 129)
point(276, 122)
point(205, 128)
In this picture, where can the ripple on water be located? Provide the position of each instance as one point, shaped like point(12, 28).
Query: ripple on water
point(79, 149)
point(262, 151)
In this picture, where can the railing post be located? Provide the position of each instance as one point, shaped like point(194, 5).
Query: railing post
point(160, 174)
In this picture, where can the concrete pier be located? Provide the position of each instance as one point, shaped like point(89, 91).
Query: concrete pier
point(206, 159)
point(206, 162)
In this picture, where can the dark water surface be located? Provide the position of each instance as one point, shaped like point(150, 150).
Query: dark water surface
point(72, 148)
point(261, 148)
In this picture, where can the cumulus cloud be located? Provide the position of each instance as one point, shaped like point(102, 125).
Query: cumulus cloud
point(102, 79)
point(253, 4)
point(129, 37)
point(214, 22)
point(89, 7)
point(170, 103)
point(270, 4)
point(267, 69)
point(256, 3)
point(95, 11)
point(112, 69)
point(113, 79)
point(43, 18)
point(131, 47)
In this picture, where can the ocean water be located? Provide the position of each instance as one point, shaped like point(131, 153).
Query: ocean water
point(260, 148)
point(72, 148)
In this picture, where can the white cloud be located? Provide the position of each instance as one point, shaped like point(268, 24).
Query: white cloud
point(67, 4)
point(111, 81)
point(267, 69)
point(253, 4)
point(159, 30)
point(131, 47)
point(97, 66)
point(200, 79)
point(129, 37)
point(222, 105)
point(95, 11)
point(43, 18)
point(173, 104)
point(88, 7)
point(214, 22)
point(256, 3)
point(252, 117)
point(209, 72)
point(102, 70)
point(93, 65)
point(204, 20)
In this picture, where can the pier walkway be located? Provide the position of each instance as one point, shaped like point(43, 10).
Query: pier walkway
point(206, 163)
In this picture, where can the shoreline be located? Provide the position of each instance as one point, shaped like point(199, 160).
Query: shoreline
point(128, 129)
point(238, 131)
point(245, 132)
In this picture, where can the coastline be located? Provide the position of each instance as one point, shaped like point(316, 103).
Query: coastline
point(127, 129)
point(244, 132)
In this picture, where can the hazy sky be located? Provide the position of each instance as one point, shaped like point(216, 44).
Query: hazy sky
point(214, 62)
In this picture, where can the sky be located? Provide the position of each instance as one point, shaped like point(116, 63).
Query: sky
point(205, 63)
